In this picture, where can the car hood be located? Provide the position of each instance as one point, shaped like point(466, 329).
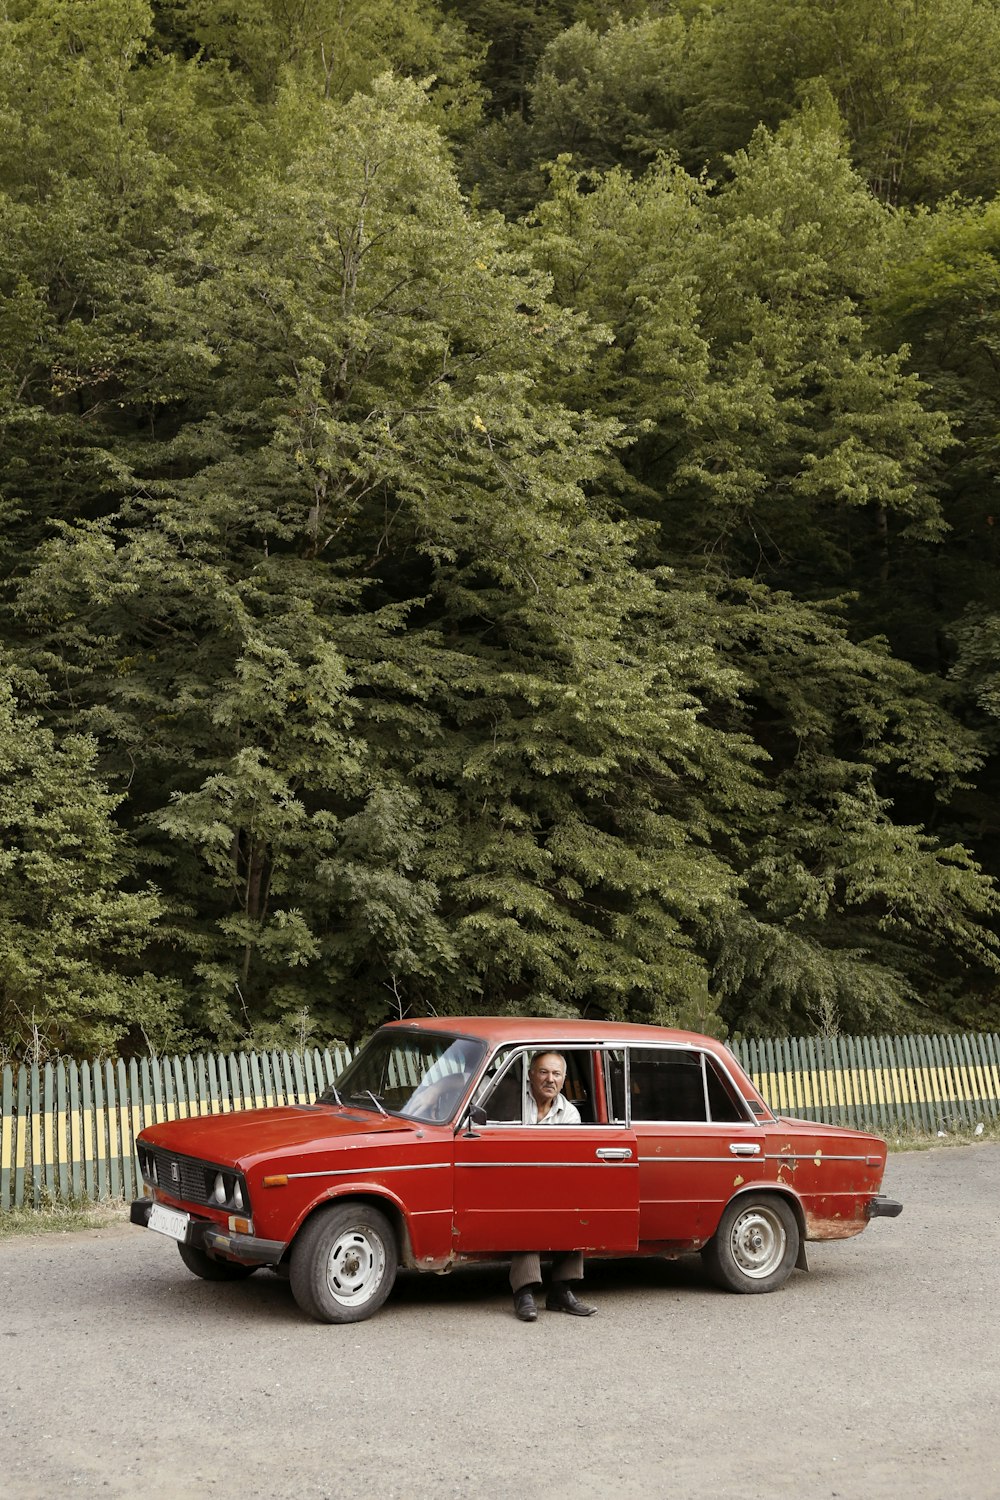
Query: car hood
point(246, 1136)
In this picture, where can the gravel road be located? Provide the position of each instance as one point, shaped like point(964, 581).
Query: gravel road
point(876, 1375)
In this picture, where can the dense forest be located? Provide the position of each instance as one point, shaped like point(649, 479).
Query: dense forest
point(499, 513)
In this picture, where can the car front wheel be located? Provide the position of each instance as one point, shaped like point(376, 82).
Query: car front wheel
point(755, 1246)
point(344, 1263)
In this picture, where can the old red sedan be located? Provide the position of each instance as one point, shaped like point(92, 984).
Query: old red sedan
point(424, 1155)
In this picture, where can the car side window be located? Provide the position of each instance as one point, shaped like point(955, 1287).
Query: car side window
point(670, 1084)
point(504, 1090)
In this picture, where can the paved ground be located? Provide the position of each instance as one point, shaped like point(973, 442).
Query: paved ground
point(876, 1375)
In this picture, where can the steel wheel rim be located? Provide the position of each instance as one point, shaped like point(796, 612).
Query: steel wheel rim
point(355, 1267)
point(758, 1241)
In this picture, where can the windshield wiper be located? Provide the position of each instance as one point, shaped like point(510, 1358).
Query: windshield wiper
point(367, 1094)
point(330, 1089)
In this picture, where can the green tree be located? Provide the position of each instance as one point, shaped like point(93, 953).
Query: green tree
point(916, 81)
point(73, 921)
point(780, 457)
point(393, 707)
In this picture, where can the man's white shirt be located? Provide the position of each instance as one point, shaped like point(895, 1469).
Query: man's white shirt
point(561, 1112)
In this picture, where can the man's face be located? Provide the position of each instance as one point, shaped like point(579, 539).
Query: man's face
point(546, 1077)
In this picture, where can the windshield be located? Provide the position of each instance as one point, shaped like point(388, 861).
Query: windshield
point(421, 1075)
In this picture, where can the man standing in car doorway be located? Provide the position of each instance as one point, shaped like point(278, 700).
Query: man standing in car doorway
point(547, 1105)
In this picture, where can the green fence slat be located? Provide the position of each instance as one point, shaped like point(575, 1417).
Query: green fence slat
point(35, 1118)
point(90, 1187)
point(309, 1070)
point(939, 1080)
point(913, 1052)
point(156, 1077)
point(954, 1054)
point(75, 1130)
point(191, 1087)
point(854, 1108)
point(49, 1130)
point(204, 1087)
point(991, 1057)
point(788, 1054)
point(214, 1086)
point(813, 1070)
point(21, 1136)
point(267, 1073)
point(100, 1133)
point(146, 1091)
point(257, 1082)
point(770, 1069)
point(298, 1073)
point(114, 1145)
point(6, 1136)
point(871, 1083)
point(235, 1092)
point(246, 1087)
point(62, 1132)
point(137, 1119)
point(124, 1118)
point(863, 1119)
point(974, 1043)
point(974, 1092)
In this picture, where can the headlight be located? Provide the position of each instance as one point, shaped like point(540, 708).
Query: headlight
point(226, 1190)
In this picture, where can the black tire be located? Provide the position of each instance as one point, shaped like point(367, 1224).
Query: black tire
point(755, 1246)
point(344, 1263)
point(210, 1269)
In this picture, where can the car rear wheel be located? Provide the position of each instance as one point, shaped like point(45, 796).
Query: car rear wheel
point(344, 1263)
point(755, 1246)
point(210, 1269)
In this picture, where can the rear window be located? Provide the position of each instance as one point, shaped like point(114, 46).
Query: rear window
point(670, 1084)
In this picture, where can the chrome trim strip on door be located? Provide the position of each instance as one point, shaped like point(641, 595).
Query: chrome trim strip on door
point(479, 1165)
point(424, 1166)
point(811, 1156)
point(669, 1161)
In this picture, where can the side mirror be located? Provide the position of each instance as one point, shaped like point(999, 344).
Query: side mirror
point(476, 1116)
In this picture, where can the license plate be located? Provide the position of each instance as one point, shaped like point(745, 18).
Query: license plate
point(168, 1221)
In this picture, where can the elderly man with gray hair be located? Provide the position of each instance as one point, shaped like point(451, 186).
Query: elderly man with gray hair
point(547, 1105)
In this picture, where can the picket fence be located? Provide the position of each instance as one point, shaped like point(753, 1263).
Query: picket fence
point(68, 1129)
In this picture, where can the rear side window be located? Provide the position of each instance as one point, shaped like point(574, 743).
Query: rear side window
point(667, 1083)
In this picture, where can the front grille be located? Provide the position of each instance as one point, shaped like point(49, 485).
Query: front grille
point(180, 1176)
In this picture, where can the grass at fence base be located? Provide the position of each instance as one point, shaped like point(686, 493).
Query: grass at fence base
point(960, 1135)
point(60, 1218)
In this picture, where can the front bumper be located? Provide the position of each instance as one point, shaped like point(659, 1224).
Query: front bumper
point(883, 1208)
point(202, 1234)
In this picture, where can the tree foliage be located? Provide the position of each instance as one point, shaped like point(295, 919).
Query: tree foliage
point(412, 610)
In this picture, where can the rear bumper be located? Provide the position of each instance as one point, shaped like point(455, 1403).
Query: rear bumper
point(883, 1208)
point(202, 1234)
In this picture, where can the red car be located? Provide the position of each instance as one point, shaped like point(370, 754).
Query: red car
point(421, 1156)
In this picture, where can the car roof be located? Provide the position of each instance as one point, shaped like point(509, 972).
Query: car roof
point(552, 1029)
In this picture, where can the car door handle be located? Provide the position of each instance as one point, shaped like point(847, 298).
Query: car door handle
point(744, 1148)
point(614, 1153)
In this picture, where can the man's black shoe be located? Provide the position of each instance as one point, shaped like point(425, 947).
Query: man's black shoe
point(562, 1299)
point(524, 1305)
